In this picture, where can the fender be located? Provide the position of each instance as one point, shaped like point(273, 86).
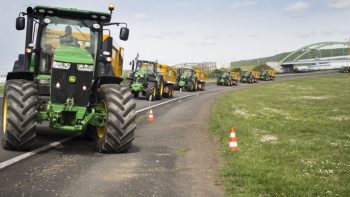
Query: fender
point(101, 80)
point(20, 75)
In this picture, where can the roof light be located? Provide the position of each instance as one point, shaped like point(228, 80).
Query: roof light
point(41, 10)
point(94, 16)
point(111, 7)
point(103, 17)
point(50, 11)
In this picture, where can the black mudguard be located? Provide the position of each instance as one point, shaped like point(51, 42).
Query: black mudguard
point(20, 75)
point(101, 80)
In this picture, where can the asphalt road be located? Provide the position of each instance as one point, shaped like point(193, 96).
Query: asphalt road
point(171, 157)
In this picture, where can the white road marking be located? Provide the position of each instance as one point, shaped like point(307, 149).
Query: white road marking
point(36, 151)
point(54, 144)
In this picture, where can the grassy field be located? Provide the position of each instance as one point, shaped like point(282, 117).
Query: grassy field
point(294, 138)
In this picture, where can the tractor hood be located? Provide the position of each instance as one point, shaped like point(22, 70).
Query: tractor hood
point(73, 54)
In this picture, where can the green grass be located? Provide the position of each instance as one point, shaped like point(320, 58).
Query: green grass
point(1, 89)
point(294, 138)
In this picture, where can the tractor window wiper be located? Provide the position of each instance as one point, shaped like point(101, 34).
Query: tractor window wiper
point(81, 32)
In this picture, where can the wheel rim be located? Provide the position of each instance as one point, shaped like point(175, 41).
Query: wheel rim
point(161, 89)
point(4, 115)
point(102, 130)
point(154, 92)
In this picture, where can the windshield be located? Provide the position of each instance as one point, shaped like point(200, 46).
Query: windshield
point(68, 32)
point(187, 73)
point(225, 74)
point(146, 67)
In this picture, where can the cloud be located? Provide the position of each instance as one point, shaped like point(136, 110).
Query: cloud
point(339, 4)
point(162, 35)
point(297, 8)
point(245, 4)
point(140, 16)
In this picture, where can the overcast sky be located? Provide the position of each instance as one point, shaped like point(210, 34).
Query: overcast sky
point(176, 31)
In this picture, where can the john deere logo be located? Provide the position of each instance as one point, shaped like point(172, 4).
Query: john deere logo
point(72, 79)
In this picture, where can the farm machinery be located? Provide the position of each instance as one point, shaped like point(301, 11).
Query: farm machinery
point(69, 76)
point(345, 69)
point(228, 78)
point(191, 79)
point(267, 75)
point(249, 76)
point(152, 80)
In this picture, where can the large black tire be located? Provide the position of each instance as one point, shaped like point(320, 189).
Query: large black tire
point(19, 115)
point(168, 93)
point(118, 133)
point(189, 86)
point(160, 91)
point(171, 93)
point(126, 82)
point(151, 90)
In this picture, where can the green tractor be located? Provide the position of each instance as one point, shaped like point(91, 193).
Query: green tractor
point(345, 69)
point(264, 75)
point(247, 77)
point(64, 78)
point(188, 80)
point(147, 80)
point(225, 79)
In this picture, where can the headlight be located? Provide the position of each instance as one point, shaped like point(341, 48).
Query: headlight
point(61, 65)
point(85, 67)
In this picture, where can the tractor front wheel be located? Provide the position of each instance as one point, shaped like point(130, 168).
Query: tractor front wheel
point(160, 91)
point(117, 134)
point(19, 115)
point(151, 91)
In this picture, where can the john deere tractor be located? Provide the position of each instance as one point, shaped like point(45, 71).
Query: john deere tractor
point(188, 80)
point(147, 80)
point(65, 78)
point(247, 77)
point(226, 79)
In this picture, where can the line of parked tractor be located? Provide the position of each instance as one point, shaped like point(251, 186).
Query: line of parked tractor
point(155, 81)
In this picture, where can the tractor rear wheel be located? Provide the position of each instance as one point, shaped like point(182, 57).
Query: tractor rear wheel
point(117, 134)
point(160, 91)
point(126, 82)
point(189, 86)
point(151, 91)
point(19, 115)
point(171, 93)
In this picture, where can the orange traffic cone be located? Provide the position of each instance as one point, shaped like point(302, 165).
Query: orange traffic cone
point(150, 116)
point(233, 141)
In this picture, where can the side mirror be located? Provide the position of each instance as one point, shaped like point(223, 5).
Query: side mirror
point(20, 23)
point(124, 33)
point(107, 45)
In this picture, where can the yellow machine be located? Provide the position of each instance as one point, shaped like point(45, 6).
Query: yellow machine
point(272, 74)
point(256, 76)
point(117, 58)
point(201, 77)
point(236, 77)
point(169, 79)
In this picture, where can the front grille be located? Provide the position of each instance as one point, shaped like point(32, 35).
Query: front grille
point(68, 89)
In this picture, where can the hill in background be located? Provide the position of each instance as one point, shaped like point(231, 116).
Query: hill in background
point(276, 58)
